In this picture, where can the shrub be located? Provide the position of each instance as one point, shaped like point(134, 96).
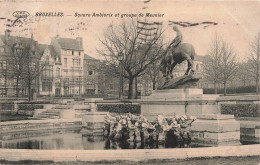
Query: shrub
point(241, 110)
point(29, 107)
point(120, 108)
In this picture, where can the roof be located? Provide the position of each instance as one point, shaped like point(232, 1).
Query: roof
point(42, 48)
point(69, 43)
point(16, 39)
point(87, 57)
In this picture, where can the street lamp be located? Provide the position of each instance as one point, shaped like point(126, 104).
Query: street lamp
point(120, 59)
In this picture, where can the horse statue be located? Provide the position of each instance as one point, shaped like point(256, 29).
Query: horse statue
point(182, 52)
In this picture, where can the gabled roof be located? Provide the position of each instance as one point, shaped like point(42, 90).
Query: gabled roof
point(68, 43)
point(42, 48)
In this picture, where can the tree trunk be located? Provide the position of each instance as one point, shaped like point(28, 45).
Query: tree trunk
point(136, 90)
point(257, 86)
point(29, 92)
point(130, 88)
point(225, 89)
point(154, 85)
point(17, 88)
point(215, 88)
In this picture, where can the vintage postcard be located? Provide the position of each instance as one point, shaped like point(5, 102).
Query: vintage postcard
point(129, 82)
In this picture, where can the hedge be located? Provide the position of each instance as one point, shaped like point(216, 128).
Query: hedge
point(242, 89)
point(36, 102)
point(119, 108)
point(241, 110)
point(6, 106)
point(29, 107)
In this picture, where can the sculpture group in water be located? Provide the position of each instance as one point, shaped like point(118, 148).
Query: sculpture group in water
point(128, 129)
point(176, 53)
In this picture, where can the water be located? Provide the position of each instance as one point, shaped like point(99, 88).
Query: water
point(74, 141)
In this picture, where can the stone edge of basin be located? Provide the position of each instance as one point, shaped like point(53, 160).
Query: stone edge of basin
point(130, 155)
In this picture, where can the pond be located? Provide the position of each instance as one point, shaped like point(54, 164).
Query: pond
point(75, 141)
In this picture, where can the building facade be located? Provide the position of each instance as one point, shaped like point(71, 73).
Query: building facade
point(64, 74)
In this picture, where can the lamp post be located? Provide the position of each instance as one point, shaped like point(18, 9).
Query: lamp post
point(120, 58)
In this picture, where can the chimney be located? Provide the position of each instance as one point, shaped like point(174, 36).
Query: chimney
point(79, 40)
point(7, 34)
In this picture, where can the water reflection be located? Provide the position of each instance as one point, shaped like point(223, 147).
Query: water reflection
point(75, 141)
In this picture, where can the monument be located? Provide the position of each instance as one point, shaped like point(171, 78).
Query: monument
point(181, 96)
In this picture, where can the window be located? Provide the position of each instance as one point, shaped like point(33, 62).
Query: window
point(76, 62)
point(65, 72)
point(65, 62)
point(3, 92)
point(46, 86)
point(3, 65)
point(90, 72)
point(72, 52)
point(57, 72)
point(79, 53)
point(90, 84)
point(47, 59)
point(47, 72)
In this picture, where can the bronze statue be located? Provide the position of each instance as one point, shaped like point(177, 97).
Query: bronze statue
point(176, 53)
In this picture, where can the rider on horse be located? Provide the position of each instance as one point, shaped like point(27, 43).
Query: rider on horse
point(177, 40)
point(176, 53)
point(172, 46)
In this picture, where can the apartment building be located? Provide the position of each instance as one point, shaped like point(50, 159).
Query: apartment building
point(64, 74)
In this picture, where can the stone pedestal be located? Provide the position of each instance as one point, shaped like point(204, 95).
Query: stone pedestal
point(92, 124)
point(250, 132)
point(92, 102)
point(67, 113)
point(215, 130)
point(189, 101)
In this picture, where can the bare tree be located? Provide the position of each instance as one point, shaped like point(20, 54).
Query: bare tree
point(133, 42)
point(220, 65)
point(32, 66)
point(254, 61)
point(228, 65)
point(212, 62)
point(17, 61)
point(242, 73)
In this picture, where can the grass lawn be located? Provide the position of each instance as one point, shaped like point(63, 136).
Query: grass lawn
point(9, 117)
point(252, 160)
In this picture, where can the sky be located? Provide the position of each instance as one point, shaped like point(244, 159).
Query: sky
point(235, 21)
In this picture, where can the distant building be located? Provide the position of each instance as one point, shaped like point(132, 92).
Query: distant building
point(47, 77)
point(10, 68)
point(91, 75)
point(97, 81)
point(64, 74)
